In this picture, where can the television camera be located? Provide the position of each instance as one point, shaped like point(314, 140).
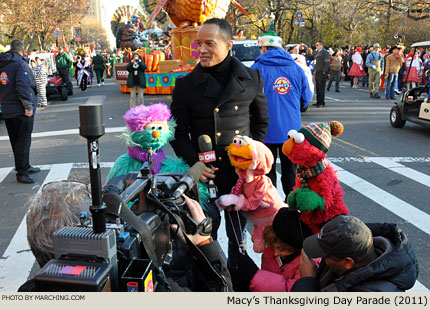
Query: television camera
point(123, 249)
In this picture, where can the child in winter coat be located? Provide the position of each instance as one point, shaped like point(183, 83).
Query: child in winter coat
point(41, 77)
point(281, 259)
point(84, 72)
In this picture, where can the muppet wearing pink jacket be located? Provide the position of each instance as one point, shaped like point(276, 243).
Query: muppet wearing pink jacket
point(254, 191)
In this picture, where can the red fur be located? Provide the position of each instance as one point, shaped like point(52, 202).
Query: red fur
point(325, 184)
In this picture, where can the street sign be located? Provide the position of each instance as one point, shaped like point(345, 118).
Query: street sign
point(301, 23)
point(299, 15)
point(56, 34)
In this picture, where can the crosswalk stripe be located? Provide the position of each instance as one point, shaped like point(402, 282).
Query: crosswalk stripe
point(18, 259)
point(390, 202)
point(418, 287)
point(401, 169)
point(4, 173)
point(65, 132)
point(341, 160)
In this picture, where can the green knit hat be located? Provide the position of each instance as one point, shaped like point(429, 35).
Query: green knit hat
point(270, 38)
point(319, 134)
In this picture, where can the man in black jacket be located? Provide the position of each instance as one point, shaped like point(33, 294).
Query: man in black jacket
point(322, 68)
point(220, 98)
point(357, 258)
point(19, 101)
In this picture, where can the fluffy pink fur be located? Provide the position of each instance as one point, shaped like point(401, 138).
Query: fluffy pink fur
point(136, 118)
point(325, 184)
point(259, 198)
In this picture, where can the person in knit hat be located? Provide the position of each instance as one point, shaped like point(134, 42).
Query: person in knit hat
point(270, 38)
point(280, 261)
point(317, 194)
point(288, 92)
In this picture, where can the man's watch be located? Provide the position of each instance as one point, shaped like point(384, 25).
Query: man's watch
point(204, 228)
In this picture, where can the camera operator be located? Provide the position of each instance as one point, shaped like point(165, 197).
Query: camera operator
point(60, 204)
point(136, 79)
point(186, 276)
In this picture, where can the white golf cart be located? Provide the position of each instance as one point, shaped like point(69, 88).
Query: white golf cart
point(413, 106)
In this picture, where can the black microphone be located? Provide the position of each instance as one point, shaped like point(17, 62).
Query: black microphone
point(207, 155)
point(187, 181)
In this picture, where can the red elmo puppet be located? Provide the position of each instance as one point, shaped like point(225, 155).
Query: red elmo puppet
point(317, 193)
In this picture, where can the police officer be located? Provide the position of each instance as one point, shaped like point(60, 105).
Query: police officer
point(19, 101)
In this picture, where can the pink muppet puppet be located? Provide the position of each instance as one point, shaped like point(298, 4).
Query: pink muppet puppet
point(254, 191)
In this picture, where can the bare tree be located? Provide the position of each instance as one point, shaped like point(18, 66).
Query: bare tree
point(42, 17)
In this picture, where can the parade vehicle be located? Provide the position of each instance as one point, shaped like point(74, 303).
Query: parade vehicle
point(413, 105)
point(55, 85)
point(246, 51)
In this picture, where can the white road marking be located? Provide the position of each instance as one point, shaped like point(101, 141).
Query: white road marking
point(17, 260)
point(401, 169)
point(279, 185)
point(65, 132)
point(418, 287)
point(368, 159)
point(390, 202)
point(335, 99)
point(397, 206)
point(4, 173)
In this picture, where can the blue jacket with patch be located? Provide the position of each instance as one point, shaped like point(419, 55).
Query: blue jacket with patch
point(17, 85)
point(286, 89)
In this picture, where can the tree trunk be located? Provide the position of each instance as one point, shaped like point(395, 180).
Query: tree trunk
point(388, 22)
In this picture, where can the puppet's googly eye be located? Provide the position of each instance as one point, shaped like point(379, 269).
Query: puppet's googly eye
point(291, 133)
point(299, 138)
point(235, 140)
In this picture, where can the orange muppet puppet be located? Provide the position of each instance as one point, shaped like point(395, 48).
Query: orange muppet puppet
point(317, 193)
point(254, 191)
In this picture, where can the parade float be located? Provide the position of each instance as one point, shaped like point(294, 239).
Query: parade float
point(187, 15)
point(133, 35)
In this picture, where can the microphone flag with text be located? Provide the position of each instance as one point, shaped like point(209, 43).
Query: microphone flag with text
point(207, 155)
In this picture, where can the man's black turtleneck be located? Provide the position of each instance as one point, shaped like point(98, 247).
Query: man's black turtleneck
point(220, 72)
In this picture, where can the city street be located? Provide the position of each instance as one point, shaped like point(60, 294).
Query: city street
point(384, 171)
